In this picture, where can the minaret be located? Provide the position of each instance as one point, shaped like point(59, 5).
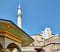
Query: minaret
point(19, 17)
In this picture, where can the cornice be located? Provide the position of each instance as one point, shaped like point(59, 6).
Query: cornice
point(11, 36)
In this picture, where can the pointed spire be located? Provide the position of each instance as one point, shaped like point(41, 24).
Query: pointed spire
point(19, 6)
point(19, 16)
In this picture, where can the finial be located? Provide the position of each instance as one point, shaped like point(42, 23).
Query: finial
point(19, 5)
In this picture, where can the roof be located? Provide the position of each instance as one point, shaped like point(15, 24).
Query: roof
point(12, 28)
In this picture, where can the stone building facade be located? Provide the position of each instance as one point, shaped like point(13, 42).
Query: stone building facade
point(49, 44)
point(52, 44)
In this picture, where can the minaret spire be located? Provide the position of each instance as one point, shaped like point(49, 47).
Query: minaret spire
point(19, 5)
point(19, 16)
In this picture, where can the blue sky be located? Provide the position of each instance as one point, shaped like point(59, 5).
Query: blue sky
point(36, 14)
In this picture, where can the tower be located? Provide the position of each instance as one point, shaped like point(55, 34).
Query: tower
point(48, 32)
point(19, 17)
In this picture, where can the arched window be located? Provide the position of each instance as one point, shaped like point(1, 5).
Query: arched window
point(56, 40)
point(13, 47)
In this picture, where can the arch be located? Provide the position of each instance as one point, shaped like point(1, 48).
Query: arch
point(1, 47)
point(13, 46)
